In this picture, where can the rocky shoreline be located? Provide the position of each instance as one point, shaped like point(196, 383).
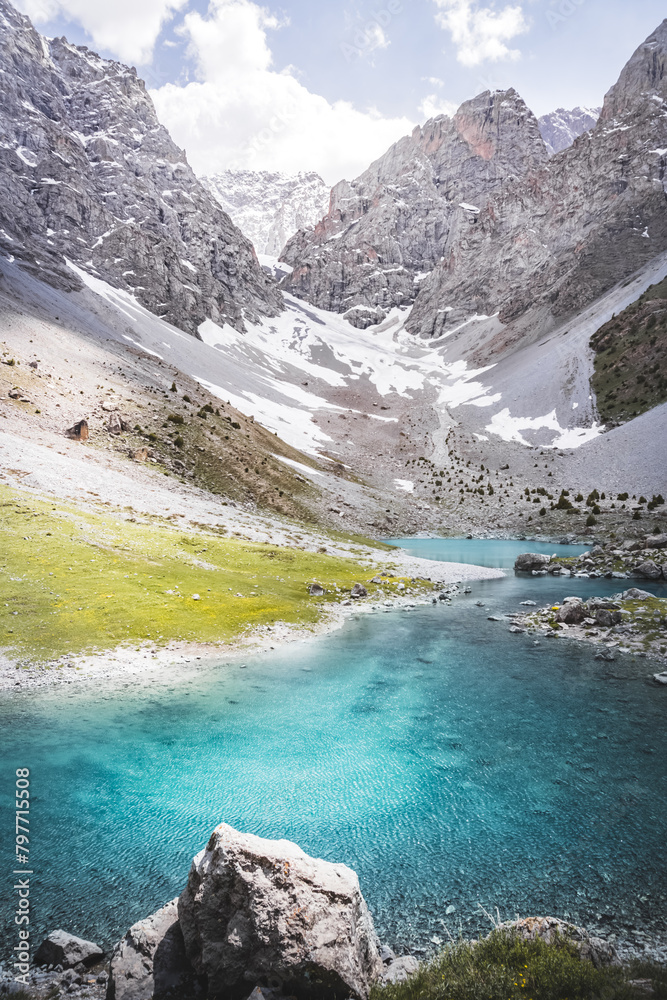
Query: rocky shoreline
point(262, 920)
point(395, 587)
point(631, 621)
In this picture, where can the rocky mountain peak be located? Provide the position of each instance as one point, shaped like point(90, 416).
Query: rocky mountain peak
point(387, 229)
point(643, 77)
point(88, 173)
point(269, 206)
point(561, 127)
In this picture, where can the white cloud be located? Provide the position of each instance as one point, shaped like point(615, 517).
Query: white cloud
point(480, 34)
point(242, 112)
point(434, 105)
point(127, 28)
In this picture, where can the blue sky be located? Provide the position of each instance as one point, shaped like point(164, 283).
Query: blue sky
point(327, 86)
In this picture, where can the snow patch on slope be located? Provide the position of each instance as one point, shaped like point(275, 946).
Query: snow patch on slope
point(509, 428)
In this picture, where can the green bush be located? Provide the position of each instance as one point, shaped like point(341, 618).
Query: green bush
point(505, 967)
point(176, 418)
point(591, 520)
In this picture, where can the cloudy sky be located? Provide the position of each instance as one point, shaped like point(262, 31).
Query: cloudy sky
point(328, 85)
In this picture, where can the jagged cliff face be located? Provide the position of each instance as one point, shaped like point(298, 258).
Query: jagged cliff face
point(87, 172)
point(560, 128)
point(553, 243)
point(388, 228)
point(269, 207)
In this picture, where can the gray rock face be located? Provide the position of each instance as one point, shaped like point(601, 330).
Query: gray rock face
point(400, 969)
point(560, 128)
point(592, 949)
point(529, 561)
point(88, 172)
point(61, 948)
point(259, 910)
point(656, 542)
point(388, 228)
point(649, 570)
point(546, 247)
point(150, 961)
point(269, 207)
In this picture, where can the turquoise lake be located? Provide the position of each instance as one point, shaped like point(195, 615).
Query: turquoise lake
point(449, 762)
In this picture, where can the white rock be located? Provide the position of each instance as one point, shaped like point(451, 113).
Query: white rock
point(256, 908)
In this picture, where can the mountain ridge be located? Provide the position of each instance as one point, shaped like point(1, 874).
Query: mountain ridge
point(90, 174)
point(269, 206)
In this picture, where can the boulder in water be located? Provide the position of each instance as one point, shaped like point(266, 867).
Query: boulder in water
point(531, 562)
point(263, 911)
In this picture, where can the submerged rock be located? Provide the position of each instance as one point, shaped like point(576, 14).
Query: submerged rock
point(150, 961)
point(258, 910)
point(67, 950)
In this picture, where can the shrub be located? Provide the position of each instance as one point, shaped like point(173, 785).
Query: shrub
point(504, 967)
point(591, 520)
point(178, 441)
point(186, 399)
point(623, 496)
point(176, 418)
point(173, 387)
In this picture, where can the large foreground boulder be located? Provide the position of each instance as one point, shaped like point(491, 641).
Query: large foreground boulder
point(593, 949)
point(61, 948)
point(262, 911)
point(150, 961)
point(530, 561)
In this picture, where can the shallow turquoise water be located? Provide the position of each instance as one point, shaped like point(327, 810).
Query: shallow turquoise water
point(448, 762)
point(499, 553)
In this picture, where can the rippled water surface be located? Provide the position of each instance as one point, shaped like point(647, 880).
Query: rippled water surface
point(448, 762)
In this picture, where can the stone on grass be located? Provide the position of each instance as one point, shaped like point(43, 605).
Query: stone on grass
point(549, 929)
point(635, 594)
point(316, 590)
point(358, 591)
point(67, 950)
point(150, 960)
point(262, 911)
point(79, 432)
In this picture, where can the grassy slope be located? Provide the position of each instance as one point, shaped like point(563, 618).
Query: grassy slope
point(504, 967)
point(74, 581)
point(631, 358)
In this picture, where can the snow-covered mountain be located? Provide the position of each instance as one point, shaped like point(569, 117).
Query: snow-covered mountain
point(560, 128)
point(270, 207)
